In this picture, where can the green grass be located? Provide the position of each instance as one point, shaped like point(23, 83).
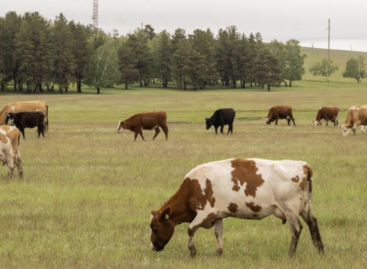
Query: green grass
point(87, 191)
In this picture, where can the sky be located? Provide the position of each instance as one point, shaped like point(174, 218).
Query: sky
point(304, 20)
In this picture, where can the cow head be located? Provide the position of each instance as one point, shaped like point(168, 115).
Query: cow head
point(162, 228)
point(209, 123)
point(9, 120)
point(267, 121)
point(317, 123)
point(345, 130)
point(121, 125)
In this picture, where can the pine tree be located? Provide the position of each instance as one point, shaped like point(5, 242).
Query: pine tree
point(164, 57)
point(64, 61)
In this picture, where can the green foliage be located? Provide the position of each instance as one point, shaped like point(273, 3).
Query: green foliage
point(142, 54)
point(33, 51)
point(355, 68)
point(127, 64)
point(103, 65)
point(324, 68)
point(164, 57)
point(64, 65)
point(81, 35)
point(181, 63)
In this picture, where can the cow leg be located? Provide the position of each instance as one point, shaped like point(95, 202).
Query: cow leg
point(42, 127)
point(288, 120)
point(23, 133)
point(136, 135)
point(141, 134)
point(202, 219)
point(296, 229)
point(18, 163)
point(294, 123)
point(221, 128)
point(314, 230)
point(354, 129)
point(165, 130)
point(216, 130)
point(327, 123)
point(156, 132)
point(218, 230)
point(10, 163)
point(276, 122)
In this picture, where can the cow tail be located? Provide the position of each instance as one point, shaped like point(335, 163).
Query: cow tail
point(309, 180)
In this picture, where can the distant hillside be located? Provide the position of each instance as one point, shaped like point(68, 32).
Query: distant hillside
point(339, 58)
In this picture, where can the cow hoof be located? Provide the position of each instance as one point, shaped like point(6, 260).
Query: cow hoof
point(219, 251)
point(193, 251)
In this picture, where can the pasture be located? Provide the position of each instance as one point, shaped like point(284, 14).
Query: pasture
point(87, 191)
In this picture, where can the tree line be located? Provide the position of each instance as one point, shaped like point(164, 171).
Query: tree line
point(39, 55)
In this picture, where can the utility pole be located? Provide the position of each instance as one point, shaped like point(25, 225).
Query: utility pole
point(328, 54)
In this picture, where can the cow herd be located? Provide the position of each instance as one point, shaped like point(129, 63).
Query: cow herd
point(240, 188)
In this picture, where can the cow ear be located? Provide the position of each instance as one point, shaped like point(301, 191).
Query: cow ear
point(166, 214)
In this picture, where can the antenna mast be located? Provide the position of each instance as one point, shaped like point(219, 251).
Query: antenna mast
point(95, 15)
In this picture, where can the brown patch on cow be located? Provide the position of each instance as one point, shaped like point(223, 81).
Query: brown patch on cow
point(200, 197)
point(304, 183)
point(233, 207)
point(295, 179)
point(205, 223)
point(308, 175)
point(245, 171)
point(255, 208)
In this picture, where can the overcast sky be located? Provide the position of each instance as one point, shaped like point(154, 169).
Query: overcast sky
point(305, 20)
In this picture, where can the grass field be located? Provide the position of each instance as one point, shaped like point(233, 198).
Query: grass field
point(87, 191)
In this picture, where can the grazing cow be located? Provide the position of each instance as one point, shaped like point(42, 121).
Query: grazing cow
point(31, 106)
point(357, 115)
point(327, 113)
point(240, 188)
point(145, 121)
point(10, 149)
point(220, 118)
point(279, 112)
point(24, 120)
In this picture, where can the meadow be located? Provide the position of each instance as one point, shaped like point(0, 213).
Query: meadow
point(87, 192)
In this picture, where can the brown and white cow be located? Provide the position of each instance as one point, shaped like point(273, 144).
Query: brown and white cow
point(10, 149)
point(357, 115)
point(29, 106)
point(279, 112)
point(327, 113)
point(145, 121)
point(240, 188)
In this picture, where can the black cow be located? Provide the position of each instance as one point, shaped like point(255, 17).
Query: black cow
point(24, 120)
point(220, 118)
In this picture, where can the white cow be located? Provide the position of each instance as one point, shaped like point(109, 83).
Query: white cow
point(10, 149)
point(240, 188)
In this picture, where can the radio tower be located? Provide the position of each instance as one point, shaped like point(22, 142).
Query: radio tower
point(95, 15)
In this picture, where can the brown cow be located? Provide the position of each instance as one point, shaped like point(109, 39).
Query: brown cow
point(279, 112)
point(145, 121)
point(10, 149)
point(327, 113)
point(31, 106)
point(357, 115)
point(239, 188)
